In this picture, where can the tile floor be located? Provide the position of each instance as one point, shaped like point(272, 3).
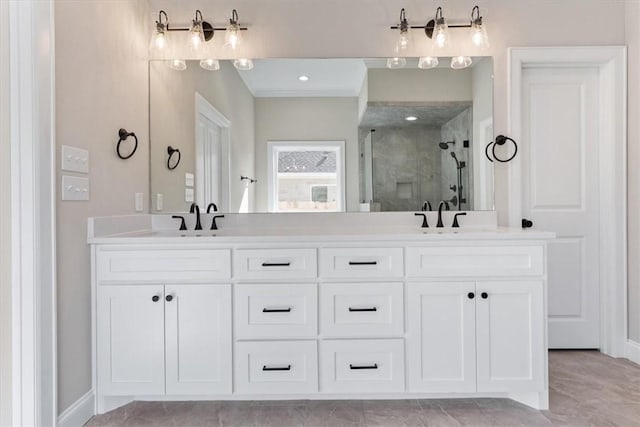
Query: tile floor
point(586, 389)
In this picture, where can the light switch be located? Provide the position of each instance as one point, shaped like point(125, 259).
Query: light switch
point(74, 159)
point(75, 188)
point(188, 179)
point(159, 202)
point(139, 202)
point(188, 195)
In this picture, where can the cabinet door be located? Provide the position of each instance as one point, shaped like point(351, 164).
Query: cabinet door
point(198, 335)
point(441, 337)
point(130, 327)
point(510, 336)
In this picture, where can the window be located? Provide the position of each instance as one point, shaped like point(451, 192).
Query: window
point(306, 176)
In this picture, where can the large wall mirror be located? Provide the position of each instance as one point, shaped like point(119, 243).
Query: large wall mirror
point(320, 135)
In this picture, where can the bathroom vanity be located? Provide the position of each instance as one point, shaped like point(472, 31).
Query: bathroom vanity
point(321, 306)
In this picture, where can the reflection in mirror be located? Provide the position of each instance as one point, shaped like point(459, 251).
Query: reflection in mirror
point(322, 135)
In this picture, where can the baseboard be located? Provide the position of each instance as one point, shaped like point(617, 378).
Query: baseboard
point(633, 351)
point(79, 412)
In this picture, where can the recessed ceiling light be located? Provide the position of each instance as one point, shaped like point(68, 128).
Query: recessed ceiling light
point(303, 78)
point(411, 118)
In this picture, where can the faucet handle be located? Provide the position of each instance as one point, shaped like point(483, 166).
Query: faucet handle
point(455, 219)
point(424, 219)
point(183, 226)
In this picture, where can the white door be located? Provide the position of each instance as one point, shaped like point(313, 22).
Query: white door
point(198, 339)
point(441, 337)
point(208, 168)
point(130, 344)
point(510, 336)
point(560, 183)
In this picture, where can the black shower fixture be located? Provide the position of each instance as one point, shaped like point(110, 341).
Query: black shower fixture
point(445, 145)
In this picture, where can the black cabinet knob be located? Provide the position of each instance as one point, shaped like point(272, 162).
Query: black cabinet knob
point(471, 295)
point(484, 295)
point(155, 298)
point(169, 298)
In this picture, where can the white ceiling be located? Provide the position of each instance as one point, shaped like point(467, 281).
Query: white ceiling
point(327, 77)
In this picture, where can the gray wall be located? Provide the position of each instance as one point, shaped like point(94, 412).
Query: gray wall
point(307, 119)
point(406, 155)
point(458, 129)
point(5, 222)
point(415, 85)
point(101, 86)
point(172, 122)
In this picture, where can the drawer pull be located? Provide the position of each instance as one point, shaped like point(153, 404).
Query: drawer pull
point(363, 262)
point(355, 367)
point(276, 368)
point(276, 264)
point(364, 309)
point(276, 310)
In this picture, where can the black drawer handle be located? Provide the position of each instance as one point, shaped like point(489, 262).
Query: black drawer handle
point(355, 367)
point(363, 309)
point(276, 264)
point(363, 262)
point(276, 310)
point(276, 368)
point(484, 295)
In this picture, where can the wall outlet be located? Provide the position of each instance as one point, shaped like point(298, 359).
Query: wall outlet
point(139, 202)
point(188, 195)
point(75, 188)
point(189, 179)
point(159, 202)
point(74, 159)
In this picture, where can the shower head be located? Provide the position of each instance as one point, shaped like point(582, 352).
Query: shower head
point(445, 145)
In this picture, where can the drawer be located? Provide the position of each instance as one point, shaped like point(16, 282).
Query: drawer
point(272, 311)
point(361, 309)
point(488, 261)
point(164, 265)
point(275, 264)
point(361, 262)
point(276, 367)
point(363, 366)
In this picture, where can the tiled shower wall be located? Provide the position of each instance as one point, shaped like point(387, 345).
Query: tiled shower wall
point(458, 129)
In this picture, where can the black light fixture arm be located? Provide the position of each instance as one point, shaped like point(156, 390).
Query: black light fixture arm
point(246, 178)
point(234, 17)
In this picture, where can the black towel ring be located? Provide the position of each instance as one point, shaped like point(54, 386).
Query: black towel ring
point(171, 151)
point(500, 140)
point(123, 137)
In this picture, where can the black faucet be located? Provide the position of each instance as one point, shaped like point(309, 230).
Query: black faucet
point(183, 226)
point(455, 219)
point(426, 206)
point(196, 209)
point(212, 208)
point(214, 226)
point(442, 203)
point(424, 219)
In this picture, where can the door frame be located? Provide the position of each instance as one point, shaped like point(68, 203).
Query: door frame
point(204, 107)
point(612, 64)
point(31, 101)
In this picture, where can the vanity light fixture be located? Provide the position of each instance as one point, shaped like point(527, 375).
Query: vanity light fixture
point(427, 62)
point(479, 37)
point(460, 62)
point(440, 30)
point(159, 39)
point(303, 78)
point(243, 64)
point(233, 35)
point(396, 62)
point(404, 40)
point(177, 64)
point(196, 34)
point(210, 64)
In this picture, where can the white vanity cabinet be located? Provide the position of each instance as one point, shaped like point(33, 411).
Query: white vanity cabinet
point(328, 317)
point(476, 336)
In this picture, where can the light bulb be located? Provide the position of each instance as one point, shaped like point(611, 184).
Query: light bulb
point(396, 62)
point(441, 34)
point(233, 34)
point(404, 40)
point(177, 64)
point(196, 38)
point(243, 64)
point(159, 40)
point(427, 62)
point(210, 64)
point(459, 62)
